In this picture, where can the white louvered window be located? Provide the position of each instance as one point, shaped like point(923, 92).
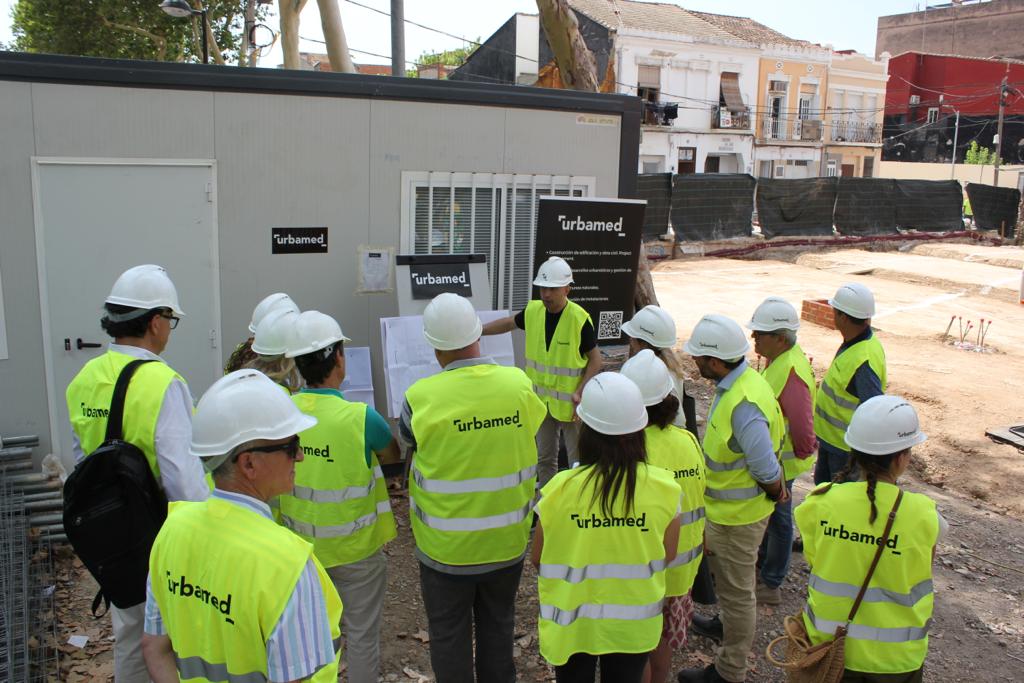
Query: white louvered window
point(483, 213)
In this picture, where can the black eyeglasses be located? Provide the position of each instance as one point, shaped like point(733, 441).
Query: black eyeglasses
point(173, 319)
point(289, 448)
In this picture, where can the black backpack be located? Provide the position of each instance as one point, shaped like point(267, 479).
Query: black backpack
point(113, 509)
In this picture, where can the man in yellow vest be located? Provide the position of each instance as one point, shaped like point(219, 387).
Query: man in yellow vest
point(744, 434)
point(139, 314)
point(233, 596)
point(340, 500)
point(773, 327)
point(561, 357)
point(473, 428)
point(857, 373)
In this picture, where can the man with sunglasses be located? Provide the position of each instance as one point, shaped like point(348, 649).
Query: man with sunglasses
point(232, 595)
point(139, 314)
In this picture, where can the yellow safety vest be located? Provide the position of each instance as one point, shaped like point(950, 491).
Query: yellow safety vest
point(601, 580)
point(338, 504)
point(88, 398)
point(889, 634)
point(732, 497)
point(475, 469)
point(222, 576)
point(833, 404)
point(777, 374)
point(678, 451)
point(556, 370)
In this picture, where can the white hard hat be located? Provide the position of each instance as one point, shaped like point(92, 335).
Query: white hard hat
point(273, 332)
point(883, 425)
point(243, 406)
point(450, 323)
point(774, 313)
point(719, 337)
point(554, 272)
point(313, 331)
point(612, 404)
point(145, 287)
point(654, 325)
point(270, 303)
point(650, 374)
point(855, 300)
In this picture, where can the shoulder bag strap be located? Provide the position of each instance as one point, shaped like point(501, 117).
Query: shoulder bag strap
point(115, 420)
point(878, 556)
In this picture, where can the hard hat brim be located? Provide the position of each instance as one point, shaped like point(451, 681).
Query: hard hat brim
point(886, 448)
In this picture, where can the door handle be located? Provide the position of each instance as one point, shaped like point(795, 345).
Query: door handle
point(67, 343)
point(86, 345)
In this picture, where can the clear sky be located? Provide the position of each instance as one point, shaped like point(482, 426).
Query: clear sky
point(842, 24)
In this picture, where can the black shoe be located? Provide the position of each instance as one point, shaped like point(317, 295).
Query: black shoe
point(709, 627)
point(798, 545)
point(708, 674)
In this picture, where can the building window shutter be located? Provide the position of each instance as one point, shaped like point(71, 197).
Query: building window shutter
point(731, 92)
point(648, 76)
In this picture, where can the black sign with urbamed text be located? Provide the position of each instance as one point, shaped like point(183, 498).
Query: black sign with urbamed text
point(430, 279)
point(298, 240)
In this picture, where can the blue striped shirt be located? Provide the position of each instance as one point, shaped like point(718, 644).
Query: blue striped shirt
point(300, 644)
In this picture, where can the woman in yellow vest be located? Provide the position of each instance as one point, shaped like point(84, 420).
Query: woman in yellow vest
point(843, 526)
point(606, 532)
point(677, 451)
point(270, 345)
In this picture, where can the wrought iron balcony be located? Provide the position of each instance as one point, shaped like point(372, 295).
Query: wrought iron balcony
point(841, 130)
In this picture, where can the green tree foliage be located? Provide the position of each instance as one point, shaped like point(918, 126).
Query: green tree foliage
point(979, 155)
point(128, 29)
point(456, 57)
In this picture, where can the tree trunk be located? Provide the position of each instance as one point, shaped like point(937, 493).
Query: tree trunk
point(290, 10)
point(576, 64)
point(334, 35)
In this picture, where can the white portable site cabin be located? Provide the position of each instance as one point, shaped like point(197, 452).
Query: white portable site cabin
point(106, 164)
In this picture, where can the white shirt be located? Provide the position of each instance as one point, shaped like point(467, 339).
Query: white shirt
point(181, 473)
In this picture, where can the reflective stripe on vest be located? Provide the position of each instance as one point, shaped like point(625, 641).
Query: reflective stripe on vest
point(686, 557)
point(473, 473)
point(875, 633)
point(691, 516)
point(481, 485)
point(471, 523)
point(605, 611)
point(848, 590)
point(834, 405)
point(336, 530)
point(197, 667)
point(555, 369)
point(337, 495)
point(732, 496)
point(564, 572)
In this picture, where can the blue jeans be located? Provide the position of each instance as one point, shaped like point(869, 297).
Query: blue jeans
point(777, 546)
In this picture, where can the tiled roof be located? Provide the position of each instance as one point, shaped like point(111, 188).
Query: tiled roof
point(1001, 60)
point(750, 30)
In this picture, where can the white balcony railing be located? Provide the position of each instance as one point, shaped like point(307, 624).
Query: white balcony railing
point(855, 131)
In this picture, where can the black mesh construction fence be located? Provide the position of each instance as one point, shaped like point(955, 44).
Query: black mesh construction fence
point(712, 206)
point(796, 207)
point(656, 188)
point(994, 208)
point(929, 205)
point(866, 206)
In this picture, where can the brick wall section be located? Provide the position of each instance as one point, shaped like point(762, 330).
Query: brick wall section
point(817, 311)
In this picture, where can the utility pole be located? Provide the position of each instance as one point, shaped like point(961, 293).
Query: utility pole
point(397, 38)
point(999, 127)
point(248, 50)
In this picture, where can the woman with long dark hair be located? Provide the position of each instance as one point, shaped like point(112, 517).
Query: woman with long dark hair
point(845, 524)
point(606, 531)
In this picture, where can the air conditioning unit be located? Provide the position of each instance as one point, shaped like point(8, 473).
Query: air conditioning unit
point(915, 100)
point(810, 129)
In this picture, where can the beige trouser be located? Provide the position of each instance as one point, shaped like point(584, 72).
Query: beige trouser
point(361, 586)
point(129, 666)
point(732, 555)
point(547, 446)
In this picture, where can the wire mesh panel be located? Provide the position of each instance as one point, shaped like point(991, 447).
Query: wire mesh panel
point(656, 188)
point(929, 205)
point(994, 208)
point(14, 585)
point(866, 206)
point(798, 206)
point(712, 206)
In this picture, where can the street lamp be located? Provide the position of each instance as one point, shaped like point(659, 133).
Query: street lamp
point(181, 9)
point(956, 135)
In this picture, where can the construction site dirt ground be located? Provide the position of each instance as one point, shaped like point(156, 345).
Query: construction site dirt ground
point(977, 633)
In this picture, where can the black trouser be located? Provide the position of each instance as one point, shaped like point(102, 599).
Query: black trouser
point(860, 677)
point(703, 591)
point(615, 668)
point(460, 606)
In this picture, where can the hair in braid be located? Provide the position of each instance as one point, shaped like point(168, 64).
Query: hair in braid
point(873, 465)
point(838, 478)
point(662, 414)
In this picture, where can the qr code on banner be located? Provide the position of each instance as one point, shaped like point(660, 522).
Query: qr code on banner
point(609, 325)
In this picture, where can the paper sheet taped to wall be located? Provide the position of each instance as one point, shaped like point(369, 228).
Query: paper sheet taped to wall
point(408, 357)
point(3, 325)
point(358, 384)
